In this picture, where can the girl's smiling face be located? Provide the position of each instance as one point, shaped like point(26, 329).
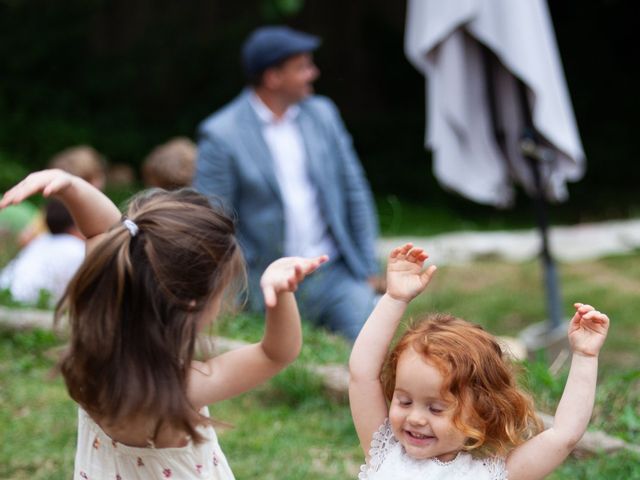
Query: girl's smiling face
point(420, 418)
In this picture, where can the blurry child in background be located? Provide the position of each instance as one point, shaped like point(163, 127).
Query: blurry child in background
point(49, 262)
point(82, 161)
point(170, 165)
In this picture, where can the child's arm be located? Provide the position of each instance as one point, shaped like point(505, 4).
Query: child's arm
point(405, 280)
point(240, 370)
point(91, 209)
point(539, 456)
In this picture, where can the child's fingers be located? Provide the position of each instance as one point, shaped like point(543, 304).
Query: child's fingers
point(596, 317)
point(53, 187)
point(292, 284)
point(429, 272)
point(581, 310)
point(401, 250)
point(269, 293)
point(5, 200)
point(318, 261)
point(299, 273)
point(297, 277)
point(416, 253)
point(11, 196)
point(309, 266)
point(584, 308)
point(427, 275)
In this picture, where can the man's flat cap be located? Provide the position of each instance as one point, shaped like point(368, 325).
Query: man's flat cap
point(269, 45)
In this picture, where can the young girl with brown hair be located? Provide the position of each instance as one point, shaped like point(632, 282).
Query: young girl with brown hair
point(150, 282)
point(445, 404)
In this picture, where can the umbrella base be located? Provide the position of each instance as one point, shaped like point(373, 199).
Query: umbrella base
point(542, 340)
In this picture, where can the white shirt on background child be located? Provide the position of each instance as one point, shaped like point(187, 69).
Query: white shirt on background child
point(47, 263)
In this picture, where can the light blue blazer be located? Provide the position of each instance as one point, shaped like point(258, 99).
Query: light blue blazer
point(234, 163)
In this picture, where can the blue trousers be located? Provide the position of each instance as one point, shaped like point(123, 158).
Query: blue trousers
point(331, 297)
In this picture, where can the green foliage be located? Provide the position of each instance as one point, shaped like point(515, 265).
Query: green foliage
point(93, 72)
point(279, 10)
point(319, 346)
point(620, 465)
point(536, 377)
point(295, 386)
point(618, 405)
point(45, 300)
point(11, 172)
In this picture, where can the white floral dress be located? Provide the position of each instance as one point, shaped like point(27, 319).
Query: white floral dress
point(98, 457)
point(389, 461)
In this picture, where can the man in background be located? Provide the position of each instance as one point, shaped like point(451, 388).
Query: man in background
point(281, 158)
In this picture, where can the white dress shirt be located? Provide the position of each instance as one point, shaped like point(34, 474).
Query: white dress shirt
point(306, 232)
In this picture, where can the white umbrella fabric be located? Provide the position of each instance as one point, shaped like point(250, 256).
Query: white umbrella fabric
point(494, 80)
point(446, 40)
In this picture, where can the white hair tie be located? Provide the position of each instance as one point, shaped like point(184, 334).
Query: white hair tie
point(131, 226)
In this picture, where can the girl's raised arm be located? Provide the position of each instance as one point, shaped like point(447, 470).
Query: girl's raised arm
point(405, 279)
point(539, 456)
point(240, 370)
point(91, 209)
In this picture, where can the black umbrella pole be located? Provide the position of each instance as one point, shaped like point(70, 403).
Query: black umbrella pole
point(551, 283)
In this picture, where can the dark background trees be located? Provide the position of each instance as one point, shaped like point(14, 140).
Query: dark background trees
point(126, 75)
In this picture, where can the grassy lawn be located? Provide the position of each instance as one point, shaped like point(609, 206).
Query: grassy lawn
point(289, 429)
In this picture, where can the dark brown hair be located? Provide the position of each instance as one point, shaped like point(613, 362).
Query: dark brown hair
point(57, 217)
point(489, 408)
point(135, 304)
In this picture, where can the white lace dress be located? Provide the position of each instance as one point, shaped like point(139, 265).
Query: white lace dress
point(388, 461)
point(98, 457)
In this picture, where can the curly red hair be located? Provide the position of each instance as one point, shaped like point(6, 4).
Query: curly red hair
point(489, 408)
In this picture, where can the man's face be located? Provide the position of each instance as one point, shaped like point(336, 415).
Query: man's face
point(294, 78)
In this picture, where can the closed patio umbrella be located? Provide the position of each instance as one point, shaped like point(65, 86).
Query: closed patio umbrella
point(498, 109)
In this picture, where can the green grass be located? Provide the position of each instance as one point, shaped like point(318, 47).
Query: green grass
point(290, 429)
point(405, 217)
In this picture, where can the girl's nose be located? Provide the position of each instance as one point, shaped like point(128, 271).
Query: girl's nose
point(417, 417)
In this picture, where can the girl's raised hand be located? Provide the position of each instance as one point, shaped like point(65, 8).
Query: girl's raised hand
point(406, 277)
point(587, 330)
point(285, 274)
point(49, 182)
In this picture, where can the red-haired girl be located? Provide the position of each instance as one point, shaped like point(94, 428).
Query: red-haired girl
point(445, 404)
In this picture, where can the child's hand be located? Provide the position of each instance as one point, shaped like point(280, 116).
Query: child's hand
point(405, 275)
point(49, 182)
point(285, 274)
point(587, 330)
